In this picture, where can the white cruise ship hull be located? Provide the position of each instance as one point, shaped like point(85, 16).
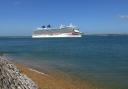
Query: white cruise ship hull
point(55, 36)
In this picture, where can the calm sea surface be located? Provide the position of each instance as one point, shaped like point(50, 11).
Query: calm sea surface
point(100, 59)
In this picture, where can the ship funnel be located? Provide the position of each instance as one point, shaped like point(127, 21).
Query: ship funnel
point(49, 26)
point(43, 26)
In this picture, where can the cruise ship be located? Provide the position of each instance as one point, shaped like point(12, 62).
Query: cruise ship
point(62, 31)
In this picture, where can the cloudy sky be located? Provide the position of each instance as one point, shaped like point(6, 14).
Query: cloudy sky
point(22, 17)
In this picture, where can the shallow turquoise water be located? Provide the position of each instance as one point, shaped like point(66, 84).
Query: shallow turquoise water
point(103, 59)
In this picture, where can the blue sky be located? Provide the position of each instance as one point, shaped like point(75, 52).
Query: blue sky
point(21, 17)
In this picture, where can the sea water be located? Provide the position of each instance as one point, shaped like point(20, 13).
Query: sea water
point(101, 59)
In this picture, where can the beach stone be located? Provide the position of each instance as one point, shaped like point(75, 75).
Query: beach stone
point(12, 78)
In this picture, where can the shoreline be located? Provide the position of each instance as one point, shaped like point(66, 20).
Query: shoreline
point(54, 80)
point(45, 81)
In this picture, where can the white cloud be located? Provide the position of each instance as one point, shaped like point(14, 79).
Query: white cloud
point(124, 16)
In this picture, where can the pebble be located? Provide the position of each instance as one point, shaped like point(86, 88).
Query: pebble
point(12, 78)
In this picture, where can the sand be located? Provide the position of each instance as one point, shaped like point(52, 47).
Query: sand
point(53, 81)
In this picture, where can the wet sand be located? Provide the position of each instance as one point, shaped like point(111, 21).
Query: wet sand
point(55, 80)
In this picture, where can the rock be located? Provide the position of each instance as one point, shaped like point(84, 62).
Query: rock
point(11, 78)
